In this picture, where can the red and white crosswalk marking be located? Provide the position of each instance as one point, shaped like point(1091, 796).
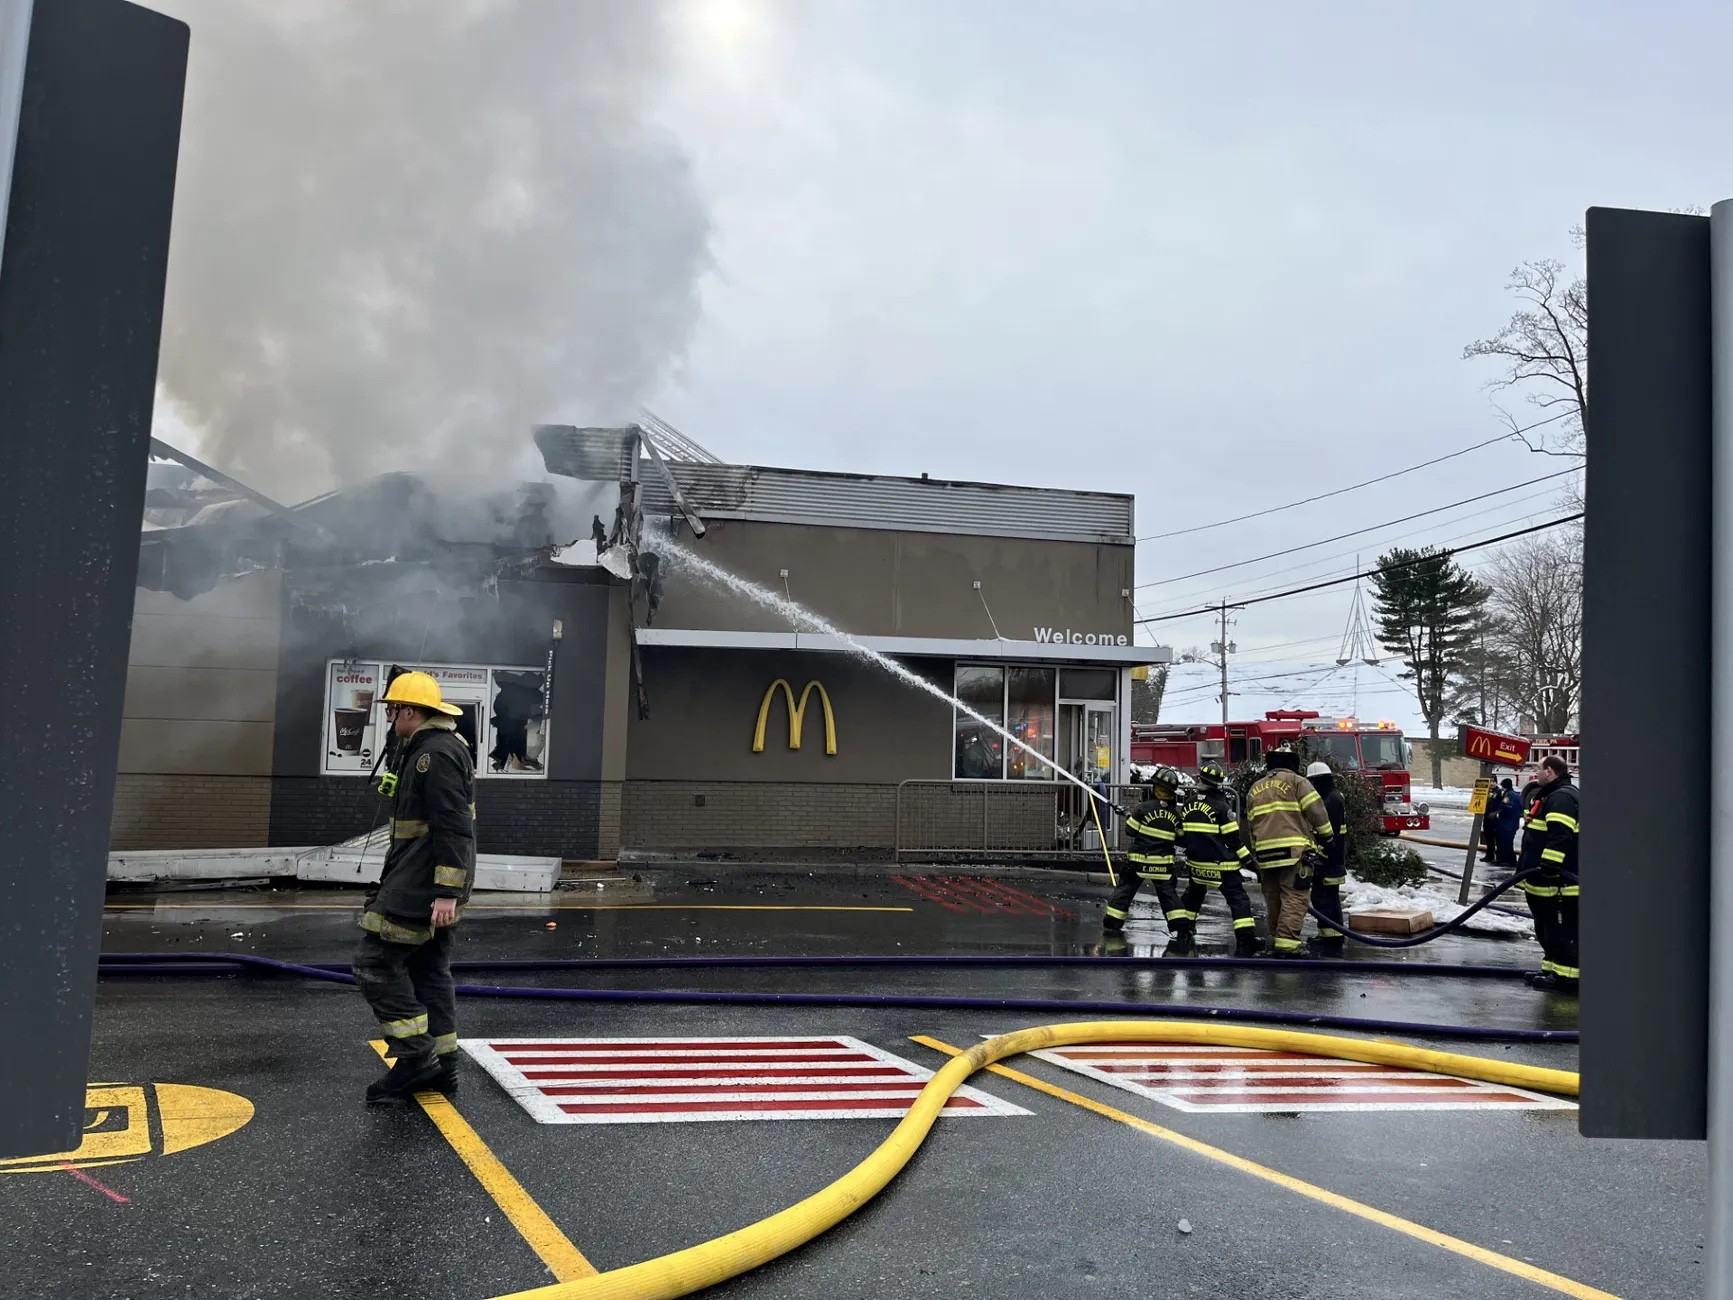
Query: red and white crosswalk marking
point(688, 1080)
point(979, 894)
point(1217, 1080)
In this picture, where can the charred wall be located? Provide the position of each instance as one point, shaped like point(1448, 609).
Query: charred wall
point(411, 615)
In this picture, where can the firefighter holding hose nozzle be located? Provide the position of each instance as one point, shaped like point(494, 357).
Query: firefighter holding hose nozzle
point(1154, 828)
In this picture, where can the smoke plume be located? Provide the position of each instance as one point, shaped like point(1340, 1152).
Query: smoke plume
point(406, 232)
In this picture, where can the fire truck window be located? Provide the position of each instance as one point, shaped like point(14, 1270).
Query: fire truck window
point(1341, 748)
point(1029, 700)
point(1237, 749)
point(1088, 684)
point(980, 751)
point(1257, 748)
point(1383, 750)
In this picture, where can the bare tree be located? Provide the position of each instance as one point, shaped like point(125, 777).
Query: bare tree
point(1485, 694)
point(1537, 608)
point(1543, 349)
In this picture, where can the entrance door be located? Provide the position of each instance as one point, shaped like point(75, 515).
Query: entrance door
point(1098, 743)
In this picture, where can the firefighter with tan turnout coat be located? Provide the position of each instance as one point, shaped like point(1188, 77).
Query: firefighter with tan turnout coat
point(1289, 827)
point(403, 963)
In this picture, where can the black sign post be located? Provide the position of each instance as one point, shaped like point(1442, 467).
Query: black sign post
point(82, 265)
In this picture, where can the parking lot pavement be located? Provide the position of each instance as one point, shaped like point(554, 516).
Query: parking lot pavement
point(273, 1180)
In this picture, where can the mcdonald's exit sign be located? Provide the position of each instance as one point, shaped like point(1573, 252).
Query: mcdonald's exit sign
point(1494, 747)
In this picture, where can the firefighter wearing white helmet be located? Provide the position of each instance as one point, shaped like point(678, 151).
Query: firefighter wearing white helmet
point(403, 963)
point(1328, 880)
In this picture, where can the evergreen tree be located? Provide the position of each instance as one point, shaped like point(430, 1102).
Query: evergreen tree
point(1429, 610)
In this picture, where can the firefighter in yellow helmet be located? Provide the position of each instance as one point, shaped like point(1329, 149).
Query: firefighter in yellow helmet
point(1289, 827)
point(403, 962)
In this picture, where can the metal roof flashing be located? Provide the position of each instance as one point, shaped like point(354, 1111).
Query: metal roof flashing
point(763, 494)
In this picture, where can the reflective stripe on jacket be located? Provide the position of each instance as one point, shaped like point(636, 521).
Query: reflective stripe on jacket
point(432, 853)
point(1549, 838)
point(1155, 828)
point(1285, 816)
point(1211, 835)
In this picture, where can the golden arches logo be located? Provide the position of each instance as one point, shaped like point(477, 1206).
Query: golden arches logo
point(796, 715)
point(127, 1122)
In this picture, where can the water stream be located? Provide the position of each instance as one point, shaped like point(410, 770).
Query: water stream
point(799, 615)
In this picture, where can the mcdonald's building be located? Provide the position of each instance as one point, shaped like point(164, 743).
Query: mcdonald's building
point(608, 718)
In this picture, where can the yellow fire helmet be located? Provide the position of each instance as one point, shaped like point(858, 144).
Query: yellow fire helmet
point(420, 690)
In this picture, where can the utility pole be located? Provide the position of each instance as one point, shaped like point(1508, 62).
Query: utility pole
point(1223, 649)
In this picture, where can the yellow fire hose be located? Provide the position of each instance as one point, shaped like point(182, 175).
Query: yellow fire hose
point(1095, 809)
point(734, 1253)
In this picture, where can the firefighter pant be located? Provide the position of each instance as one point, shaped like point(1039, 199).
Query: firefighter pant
point(410, 989)
point(1553, 904)
point(1119, 904)
point(1227, 880)
point(1284, 905)
point(1327, 898)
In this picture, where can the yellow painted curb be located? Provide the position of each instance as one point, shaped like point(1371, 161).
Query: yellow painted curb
point(734, 1253)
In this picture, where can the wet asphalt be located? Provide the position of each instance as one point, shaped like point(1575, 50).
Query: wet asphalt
point(318, 1195)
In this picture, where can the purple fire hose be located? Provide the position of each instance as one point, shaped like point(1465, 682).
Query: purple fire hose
point(234, 963)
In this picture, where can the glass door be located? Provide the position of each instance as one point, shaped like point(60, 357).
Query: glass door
point(1099, 739)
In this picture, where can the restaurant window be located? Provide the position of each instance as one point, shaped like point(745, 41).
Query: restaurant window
point(1029, 706)
point(1089, 684)
point(502, 715)
point(980, 753)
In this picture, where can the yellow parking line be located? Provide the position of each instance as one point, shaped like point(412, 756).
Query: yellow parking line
point(1491, 1258)
point(564, 1260)
point(471, 908)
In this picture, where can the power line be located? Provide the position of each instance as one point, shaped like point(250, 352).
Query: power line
point(1358, 532)
point(1383, 478)
point(1384, 568)
point(1322, 565)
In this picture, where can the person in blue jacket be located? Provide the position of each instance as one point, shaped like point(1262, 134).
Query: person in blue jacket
point(1509, 813)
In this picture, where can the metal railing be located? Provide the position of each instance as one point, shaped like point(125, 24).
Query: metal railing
point(1005, 819)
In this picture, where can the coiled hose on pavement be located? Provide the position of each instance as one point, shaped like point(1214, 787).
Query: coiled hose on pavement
point(229, 964)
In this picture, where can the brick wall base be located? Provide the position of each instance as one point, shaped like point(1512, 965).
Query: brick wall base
point(775, 815)
point(591, 819)
point(154, 811)
point(539, 818)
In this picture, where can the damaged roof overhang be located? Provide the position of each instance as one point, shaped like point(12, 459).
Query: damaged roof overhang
point(397, 518)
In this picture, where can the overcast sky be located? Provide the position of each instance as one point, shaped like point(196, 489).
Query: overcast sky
point(1221, 256)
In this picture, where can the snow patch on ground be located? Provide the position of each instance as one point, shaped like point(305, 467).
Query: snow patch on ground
point(1446, 796)
point(1444, 907)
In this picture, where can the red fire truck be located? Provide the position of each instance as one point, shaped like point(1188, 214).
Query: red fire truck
point(1376, 750)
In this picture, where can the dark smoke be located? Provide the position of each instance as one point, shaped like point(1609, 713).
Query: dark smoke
point(408, 231)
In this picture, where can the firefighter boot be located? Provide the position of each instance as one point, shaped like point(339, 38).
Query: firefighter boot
point(405, 1078)
point(1182, 940)
point(1246, 944)
point(1331, 948)
point(447, 1083)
